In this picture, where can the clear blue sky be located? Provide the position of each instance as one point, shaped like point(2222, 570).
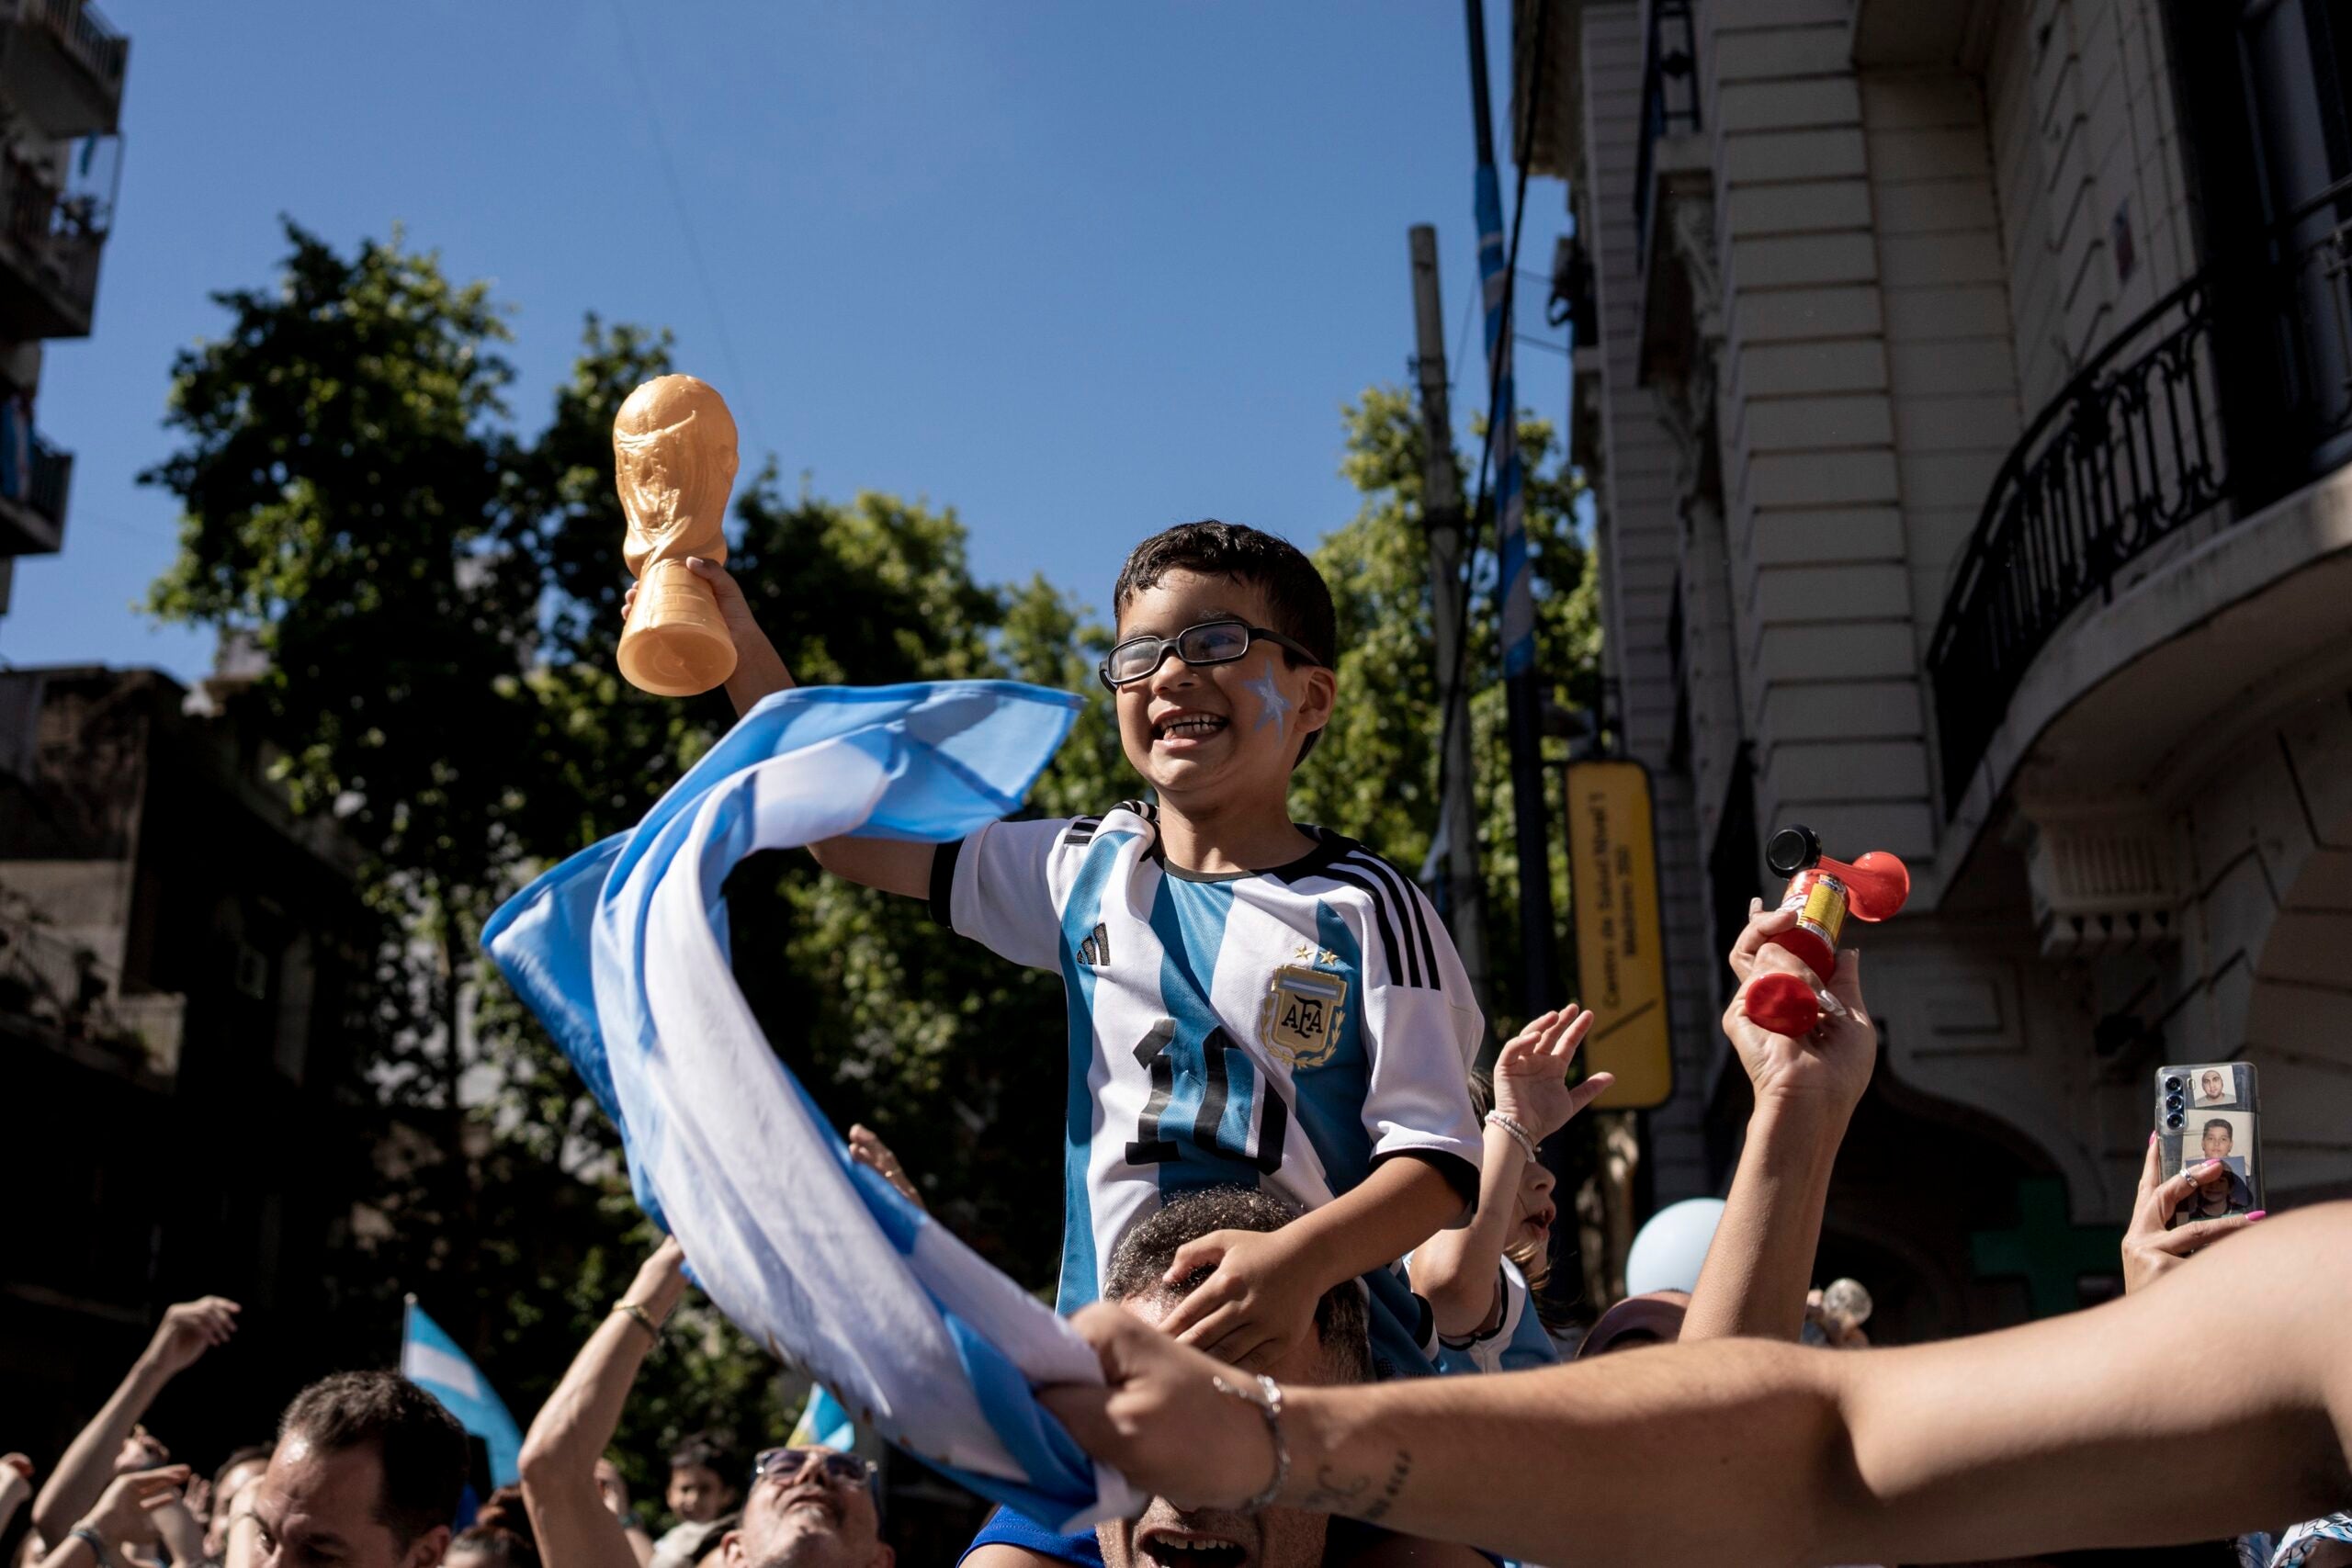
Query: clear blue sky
point(1078, 270)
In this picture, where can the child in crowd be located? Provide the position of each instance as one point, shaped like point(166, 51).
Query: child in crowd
point(1253, 1002)
point(1482, 1281)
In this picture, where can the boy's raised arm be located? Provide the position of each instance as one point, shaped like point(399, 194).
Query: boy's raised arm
point(760, 671)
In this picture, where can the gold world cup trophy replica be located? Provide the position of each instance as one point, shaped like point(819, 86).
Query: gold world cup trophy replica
point(673, 459)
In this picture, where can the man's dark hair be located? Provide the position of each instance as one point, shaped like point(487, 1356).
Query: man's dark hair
point(2224, 1127)
point(499, 1544)
point(1139, 1264)
point(418, 1442)
point(1298, 602)
point(251, 1453)
point(705, 1451)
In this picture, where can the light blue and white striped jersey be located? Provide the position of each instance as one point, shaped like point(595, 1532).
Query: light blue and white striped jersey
point(1517, 1343)
point(1285, 1029)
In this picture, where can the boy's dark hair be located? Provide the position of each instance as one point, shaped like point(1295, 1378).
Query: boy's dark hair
point(501, 1545)
point(2222, 1123)
point(704, 1450)
point(1298, 602)
point(419, 1444)
point(1139, 1264)
point(250, 1453)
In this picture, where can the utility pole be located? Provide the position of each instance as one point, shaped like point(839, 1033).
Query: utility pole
point(1442, 516)
point(1514, 592)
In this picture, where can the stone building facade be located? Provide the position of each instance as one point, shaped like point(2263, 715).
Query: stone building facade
point(1963, 388)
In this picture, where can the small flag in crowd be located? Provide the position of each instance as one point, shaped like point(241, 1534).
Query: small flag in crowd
point(431, 1359)
point(823, 1423)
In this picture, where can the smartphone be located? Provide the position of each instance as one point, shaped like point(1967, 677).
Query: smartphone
point(2212, 1110)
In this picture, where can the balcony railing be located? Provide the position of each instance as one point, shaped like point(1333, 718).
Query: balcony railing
point(2229, 393)
point(56, 236)
point(1669, 97)
point(83, 32)
point(52, 475)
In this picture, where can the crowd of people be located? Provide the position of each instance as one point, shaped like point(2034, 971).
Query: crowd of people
point(1309, 1249)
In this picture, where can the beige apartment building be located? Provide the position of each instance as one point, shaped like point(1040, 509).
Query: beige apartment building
point(1966, 390)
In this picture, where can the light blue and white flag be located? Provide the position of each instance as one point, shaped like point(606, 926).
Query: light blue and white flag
point(623, 953)
point(431, 1359)
point(824, 1424)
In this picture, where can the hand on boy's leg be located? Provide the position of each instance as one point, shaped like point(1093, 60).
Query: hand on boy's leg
point(1259, 1304)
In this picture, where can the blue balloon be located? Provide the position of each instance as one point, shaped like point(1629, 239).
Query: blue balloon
point(1670, 1251)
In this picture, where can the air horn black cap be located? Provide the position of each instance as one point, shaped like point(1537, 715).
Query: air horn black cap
point(1792, 849)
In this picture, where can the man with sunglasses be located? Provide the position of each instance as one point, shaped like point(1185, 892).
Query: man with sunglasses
point(808, 1507)
point(1252, 1002)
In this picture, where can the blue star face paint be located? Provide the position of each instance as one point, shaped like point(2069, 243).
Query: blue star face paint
point(1272, 707)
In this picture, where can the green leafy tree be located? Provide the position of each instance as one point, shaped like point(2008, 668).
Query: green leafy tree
point(1375, 774)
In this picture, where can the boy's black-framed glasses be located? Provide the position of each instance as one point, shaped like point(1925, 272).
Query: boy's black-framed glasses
point(1211, 642)
point(837, 1466)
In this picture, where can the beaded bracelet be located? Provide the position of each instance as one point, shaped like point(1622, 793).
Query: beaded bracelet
point(1520, 1134)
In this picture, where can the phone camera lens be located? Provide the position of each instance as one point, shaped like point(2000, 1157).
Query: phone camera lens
point(2173, 1082)
point(2173, 1121)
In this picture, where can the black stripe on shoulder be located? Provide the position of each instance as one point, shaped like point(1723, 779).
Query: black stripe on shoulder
point(1081, 830)
point(1394, 899)
point(1371, 889)
point(1410, 897)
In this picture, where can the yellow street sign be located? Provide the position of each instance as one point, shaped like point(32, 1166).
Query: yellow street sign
point(1620, 966)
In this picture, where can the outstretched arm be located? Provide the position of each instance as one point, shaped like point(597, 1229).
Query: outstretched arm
point(760, 671)
point(575, 1425)
point(1760, 1263)
point(188, 1331)
point(2081, 1428)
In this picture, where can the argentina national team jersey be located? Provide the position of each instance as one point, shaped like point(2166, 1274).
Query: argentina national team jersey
point(1286, 1028)
point(1517, 1343)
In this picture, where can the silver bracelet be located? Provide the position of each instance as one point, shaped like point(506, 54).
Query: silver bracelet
point(1525, 1139)
point(1267, 1400)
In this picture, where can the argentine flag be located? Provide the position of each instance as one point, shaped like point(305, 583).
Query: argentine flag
point(824, 1424)
point(430, 1359)
point(622, 950)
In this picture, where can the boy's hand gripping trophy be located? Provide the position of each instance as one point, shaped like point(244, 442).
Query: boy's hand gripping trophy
point(673, 458)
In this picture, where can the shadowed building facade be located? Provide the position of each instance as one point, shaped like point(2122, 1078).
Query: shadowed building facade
point(1966, 387)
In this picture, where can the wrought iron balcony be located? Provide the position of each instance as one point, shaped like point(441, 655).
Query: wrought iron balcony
point(66, 70)
point(32, 502)
point(2230, 392)
point(51, 239)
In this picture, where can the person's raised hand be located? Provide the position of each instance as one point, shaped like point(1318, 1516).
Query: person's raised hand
point(1157, 1417)
point(2150, 1250)
point(175, 1526)
point(122, 1514)
point(1256, 1306)
point(16, 1484)
point(612, 1489)
point(661, 1280)
point(871, 1152)
point(1827, 1069)
point(1532, 1073)
point(188, 1330)
point(1762, 925)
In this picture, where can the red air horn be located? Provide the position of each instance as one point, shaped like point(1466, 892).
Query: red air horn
point(1821, 892)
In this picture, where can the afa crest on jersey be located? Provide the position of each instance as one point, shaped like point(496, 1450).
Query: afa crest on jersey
point(1299, 1021)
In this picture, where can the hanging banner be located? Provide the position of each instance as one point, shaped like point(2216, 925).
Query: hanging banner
point(1621, 962)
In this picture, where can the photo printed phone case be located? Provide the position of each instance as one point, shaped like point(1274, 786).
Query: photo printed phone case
point(2212, 1110)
